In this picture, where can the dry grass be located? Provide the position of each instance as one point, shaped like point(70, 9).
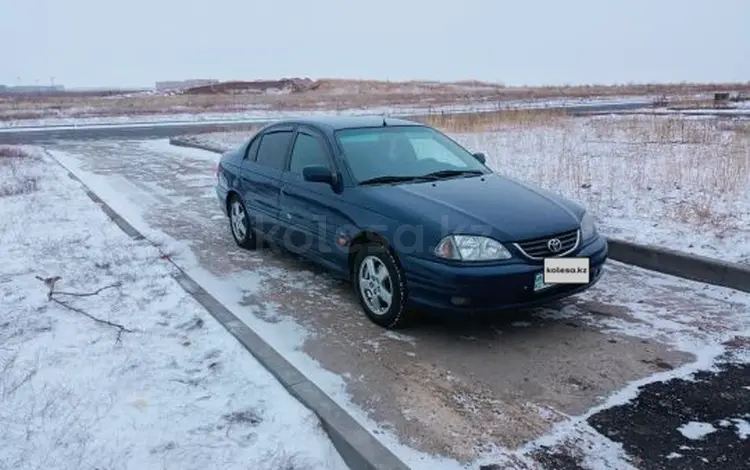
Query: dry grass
point(8, 153)
point(15, 177)
point(660, 168)
point(492, 121)
point(330, 94)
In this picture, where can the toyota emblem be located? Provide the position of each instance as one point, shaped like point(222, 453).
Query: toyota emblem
point(554, 245)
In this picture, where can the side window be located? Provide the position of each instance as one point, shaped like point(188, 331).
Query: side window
point(307, 151)
point(273, 148)
point(252, 150)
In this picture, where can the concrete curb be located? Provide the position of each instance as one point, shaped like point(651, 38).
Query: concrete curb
point(687, 266)
point(663, 260)
point(357, 446)
point(182, 142)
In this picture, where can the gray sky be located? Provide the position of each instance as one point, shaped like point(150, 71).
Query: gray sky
point(136, 42)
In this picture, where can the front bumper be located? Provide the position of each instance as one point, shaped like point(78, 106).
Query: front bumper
point(440, 286)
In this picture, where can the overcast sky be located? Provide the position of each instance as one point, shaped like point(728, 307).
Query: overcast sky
point(136, 42)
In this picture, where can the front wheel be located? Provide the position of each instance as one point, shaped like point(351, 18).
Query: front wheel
point(239, 223)
point(380, 287)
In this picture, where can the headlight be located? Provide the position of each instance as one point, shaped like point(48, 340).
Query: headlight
point(588, 227)
point(471, 248)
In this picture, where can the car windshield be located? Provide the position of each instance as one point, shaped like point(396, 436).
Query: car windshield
point(399, 153)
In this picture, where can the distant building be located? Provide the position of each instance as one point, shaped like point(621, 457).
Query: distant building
point(174, 85)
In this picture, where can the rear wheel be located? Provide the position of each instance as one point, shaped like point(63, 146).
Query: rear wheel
point(379, 284)
point(239, 223)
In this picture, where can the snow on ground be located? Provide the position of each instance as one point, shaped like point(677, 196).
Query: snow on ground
point(695, 430)
point(260, 113)
point(169, 388)
point(741, 426)
point(658, 321)
point(675, 182)
point(282, 333)
point(740, 108)
point(707, 112)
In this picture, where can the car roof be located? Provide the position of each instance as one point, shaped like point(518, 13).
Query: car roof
point(335, 123)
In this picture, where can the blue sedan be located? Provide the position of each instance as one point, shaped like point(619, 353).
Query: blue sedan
point(411, 217)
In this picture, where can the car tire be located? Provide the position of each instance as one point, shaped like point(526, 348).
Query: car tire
point(372, 291)
point(239, 224)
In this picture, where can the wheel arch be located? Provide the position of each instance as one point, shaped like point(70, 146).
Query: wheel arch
point(367, 237)
point(230, 195)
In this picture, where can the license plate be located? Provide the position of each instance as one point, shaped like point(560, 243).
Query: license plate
point(539, 282)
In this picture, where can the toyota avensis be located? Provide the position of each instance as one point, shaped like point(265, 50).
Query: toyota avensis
point(411, 217)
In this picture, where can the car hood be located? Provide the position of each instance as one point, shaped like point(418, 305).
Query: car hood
point(493, 205)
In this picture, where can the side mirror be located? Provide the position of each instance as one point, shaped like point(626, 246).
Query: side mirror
point(480, 156)
point(318, 174)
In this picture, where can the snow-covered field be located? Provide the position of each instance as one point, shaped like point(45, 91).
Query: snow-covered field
point(105, 362)
point(79, 117)
point(671, 181)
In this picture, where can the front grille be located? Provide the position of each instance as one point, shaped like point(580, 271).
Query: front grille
point(539, 247)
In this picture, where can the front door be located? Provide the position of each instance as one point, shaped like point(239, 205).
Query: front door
point(311, 209)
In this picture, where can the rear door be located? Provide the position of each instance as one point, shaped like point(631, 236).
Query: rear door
point(261, 177)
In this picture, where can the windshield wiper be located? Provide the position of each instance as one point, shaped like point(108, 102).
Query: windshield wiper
point(435, 175)
point(392, 179)
point(451, 173)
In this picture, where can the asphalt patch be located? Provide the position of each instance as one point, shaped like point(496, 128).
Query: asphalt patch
point(551, 459)
point(649, 426)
